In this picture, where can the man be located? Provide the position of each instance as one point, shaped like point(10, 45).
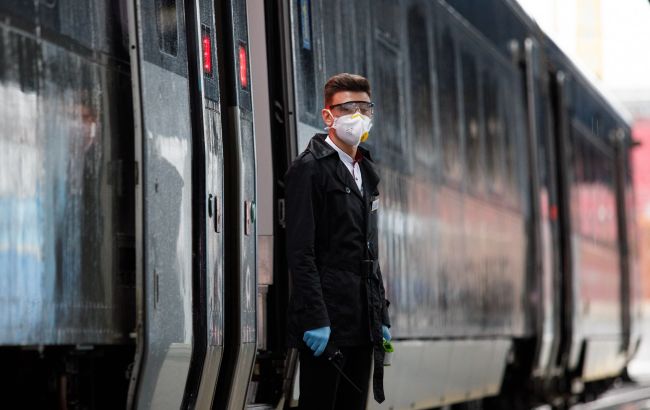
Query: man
point(338, 298)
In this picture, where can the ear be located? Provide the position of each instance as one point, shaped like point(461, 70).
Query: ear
point(328, 118)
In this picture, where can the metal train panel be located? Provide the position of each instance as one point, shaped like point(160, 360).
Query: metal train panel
point(453, 230)
point(433, 373)
point(168, 240)
point(166, 146)
point(207, 209)
point(240, 184)
point(593, 308)
point(596, 254)
point(635, 282)
point(597, 314)
point(65, 146)
point(544, 207)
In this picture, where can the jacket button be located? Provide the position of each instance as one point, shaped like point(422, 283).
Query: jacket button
point(347, 190)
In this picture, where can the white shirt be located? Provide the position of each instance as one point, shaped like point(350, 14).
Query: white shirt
point(349, 162)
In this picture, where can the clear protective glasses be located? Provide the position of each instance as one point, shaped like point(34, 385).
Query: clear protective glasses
point(364, 107)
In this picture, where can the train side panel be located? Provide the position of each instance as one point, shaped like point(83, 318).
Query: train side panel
point(598, 337)
point(66, 184)
point(165, 241)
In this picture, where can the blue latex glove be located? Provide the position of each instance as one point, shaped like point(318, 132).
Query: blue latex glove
point(385, 332)
point(317, 339)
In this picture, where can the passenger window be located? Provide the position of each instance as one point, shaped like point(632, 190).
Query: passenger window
point(304, 24)
point(421, 108)
point(601, 200)
point(363, 27)
point(493, 131)
point(387, 14)
point(471, 124)
point(168, 27)
point(355, 29)
point(586, 191)
point(307, 94)
point(577, 160)
point(447, 88)
point(611, 230)
point(347, 27)
point(510, 171)
point(389, 108)
point(330, 35)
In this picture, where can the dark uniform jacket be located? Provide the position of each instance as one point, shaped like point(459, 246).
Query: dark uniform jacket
point(332, 252)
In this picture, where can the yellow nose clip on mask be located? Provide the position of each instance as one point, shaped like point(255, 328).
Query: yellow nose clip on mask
point(364, 136)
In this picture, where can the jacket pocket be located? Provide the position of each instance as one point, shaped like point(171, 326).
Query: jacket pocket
point(344, 299)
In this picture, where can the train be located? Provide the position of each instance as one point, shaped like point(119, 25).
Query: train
point(142, 252)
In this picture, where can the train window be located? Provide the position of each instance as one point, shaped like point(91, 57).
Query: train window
point(577, 163)
point(597, 183)
point(510, 171)
point(305, 24)
point(611, 230)
point(493, 131)
point(388, 95)
point(471, 124)
point(585, 191)
point(168, 26)
point(602, 196)
point(387, 14)
point(363, 28)
point(346, 29)
point(421, 107)
point(306, 65)
point(448, 99)
point(330, 33)
point(352, 28)
point(593, 197)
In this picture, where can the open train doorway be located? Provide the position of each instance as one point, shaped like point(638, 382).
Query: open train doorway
point(273, 128)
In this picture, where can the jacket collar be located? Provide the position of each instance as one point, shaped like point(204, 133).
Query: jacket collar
point(321, 149)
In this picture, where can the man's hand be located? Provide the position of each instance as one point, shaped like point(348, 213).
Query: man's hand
point(317, 339)
point(385, 332)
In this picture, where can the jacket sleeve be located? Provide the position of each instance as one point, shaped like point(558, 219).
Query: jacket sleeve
point(302, 199)
point(385, 318)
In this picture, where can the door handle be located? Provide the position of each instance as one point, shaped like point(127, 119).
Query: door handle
point(217, 216)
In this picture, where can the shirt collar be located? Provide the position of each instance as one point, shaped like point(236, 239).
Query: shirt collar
point(344, 155)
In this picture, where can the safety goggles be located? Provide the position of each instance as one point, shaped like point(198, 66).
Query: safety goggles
point(364, 107)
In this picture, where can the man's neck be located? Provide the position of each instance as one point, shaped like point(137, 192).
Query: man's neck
point(351, 150)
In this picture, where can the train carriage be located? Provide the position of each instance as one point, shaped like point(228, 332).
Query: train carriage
point(144, 145)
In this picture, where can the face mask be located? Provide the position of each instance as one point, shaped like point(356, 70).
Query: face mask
point(352, 128)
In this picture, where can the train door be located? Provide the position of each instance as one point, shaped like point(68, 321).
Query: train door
point(240, 333)
point(207, 163)
point(560, 100)
point(270, 349)
point(545, 210)
point(551, 219)
point(620, 157)
point(164, 186)
point(630, 282)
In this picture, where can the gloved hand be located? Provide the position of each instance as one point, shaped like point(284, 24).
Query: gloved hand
point(385, 332)
point(317, 339)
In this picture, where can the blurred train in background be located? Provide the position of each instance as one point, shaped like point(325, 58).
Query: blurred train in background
point(143, 147)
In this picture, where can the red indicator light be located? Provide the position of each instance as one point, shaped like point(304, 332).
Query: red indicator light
point(243, 66)
point(553, 213)
point(207, 54)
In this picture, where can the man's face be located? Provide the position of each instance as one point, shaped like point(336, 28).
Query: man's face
point(334, 109)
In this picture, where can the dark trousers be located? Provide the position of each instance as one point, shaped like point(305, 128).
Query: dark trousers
point(323, 387)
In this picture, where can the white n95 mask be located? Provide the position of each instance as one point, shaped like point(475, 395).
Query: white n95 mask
point(352, 128)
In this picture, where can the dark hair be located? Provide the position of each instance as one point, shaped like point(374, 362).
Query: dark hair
point(345, 82)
